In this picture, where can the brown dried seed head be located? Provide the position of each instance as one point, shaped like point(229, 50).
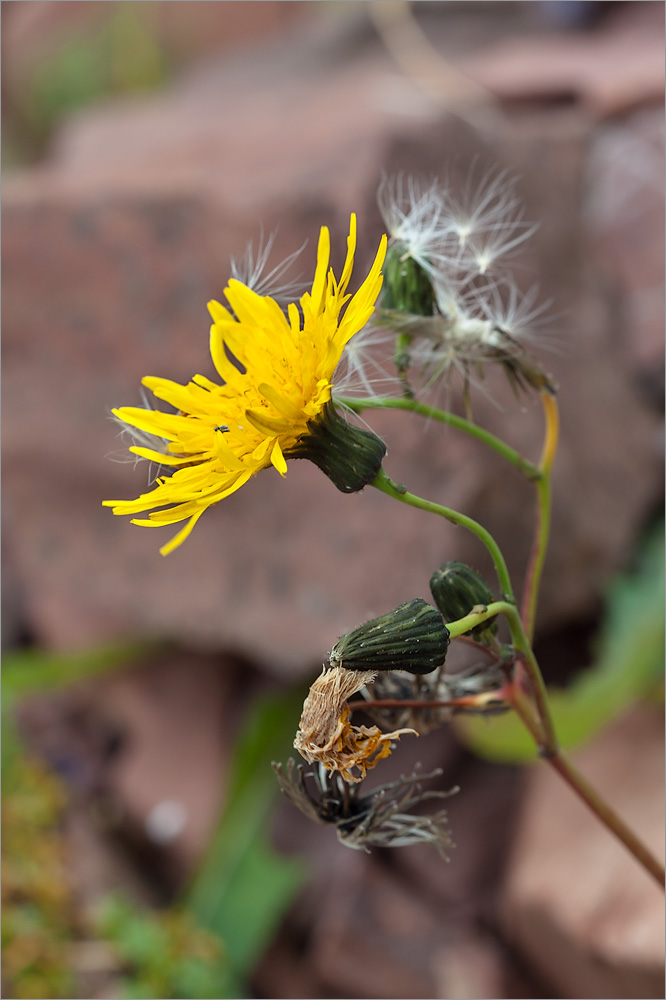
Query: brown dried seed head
point(325, 734)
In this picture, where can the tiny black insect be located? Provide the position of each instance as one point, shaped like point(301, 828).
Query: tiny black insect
point(222, 427)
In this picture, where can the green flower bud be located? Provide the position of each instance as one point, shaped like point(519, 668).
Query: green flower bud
point(407, 286)
point(457, 589)
point(350, 456)
point(413, 638)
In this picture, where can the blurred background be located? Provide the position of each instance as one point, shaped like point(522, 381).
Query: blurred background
point(146, 851)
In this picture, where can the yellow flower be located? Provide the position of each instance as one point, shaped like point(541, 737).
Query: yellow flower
point(270, 402)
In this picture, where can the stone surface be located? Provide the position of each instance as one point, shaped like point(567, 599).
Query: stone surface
point(576, 903)
point(111, 250)
point(621, 70)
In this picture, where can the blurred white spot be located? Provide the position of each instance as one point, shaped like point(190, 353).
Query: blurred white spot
point(165, 821)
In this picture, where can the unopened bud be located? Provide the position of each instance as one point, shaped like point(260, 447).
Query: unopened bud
point(457, 589)
point(407, 286)
point(412, 638)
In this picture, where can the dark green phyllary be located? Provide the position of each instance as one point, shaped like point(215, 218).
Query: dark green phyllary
point(350, 456)
point(413, 638)
point(457, 589)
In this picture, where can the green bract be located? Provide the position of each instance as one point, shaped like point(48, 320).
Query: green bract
point(412, 638)
point(457, 589)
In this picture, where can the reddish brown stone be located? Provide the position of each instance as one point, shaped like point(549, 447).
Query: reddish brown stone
point(577, 904)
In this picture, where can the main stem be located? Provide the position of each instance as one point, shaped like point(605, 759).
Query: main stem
point(542, 527)
point(595, 803)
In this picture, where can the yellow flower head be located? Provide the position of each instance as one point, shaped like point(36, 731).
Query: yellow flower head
point(266, 406)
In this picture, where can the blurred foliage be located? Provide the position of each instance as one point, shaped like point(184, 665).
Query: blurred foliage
point(32, 670)
point(243, 887)
point(207, 945)
point(162, 954)
point(629, 665)
point(37, 904)
point(122, 56)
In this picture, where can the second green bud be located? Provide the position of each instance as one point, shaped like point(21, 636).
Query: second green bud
point(457, 589)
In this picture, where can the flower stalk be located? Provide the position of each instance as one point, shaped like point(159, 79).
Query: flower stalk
point(386, 485)
point(542, 524)
point(531, 471)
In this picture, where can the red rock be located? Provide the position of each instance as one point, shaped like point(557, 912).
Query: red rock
point(615, 69)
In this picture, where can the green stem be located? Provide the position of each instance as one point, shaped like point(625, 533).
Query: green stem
point(607, 815)
point(537, 555)
point(386, 485)
point(528, 469)
point(518, 637)
point(474, 618)
point(542, 526)
point(522, 646)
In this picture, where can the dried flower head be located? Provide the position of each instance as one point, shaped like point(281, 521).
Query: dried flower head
point(274, 400)
point(381, 818)
point(325, 734)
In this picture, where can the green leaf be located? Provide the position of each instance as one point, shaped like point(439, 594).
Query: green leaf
point(35, 670)
point(243, 887)
point(629, 664)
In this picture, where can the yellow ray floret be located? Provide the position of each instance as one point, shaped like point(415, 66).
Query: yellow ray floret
point(282, 379)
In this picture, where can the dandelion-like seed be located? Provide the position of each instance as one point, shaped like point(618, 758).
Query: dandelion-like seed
point(251, 270)
point(274, 402)
point(486, 224)
point(415, 216)
point(444, 298)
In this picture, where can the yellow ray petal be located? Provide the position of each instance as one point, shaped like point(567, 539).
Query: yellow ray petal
point(278, 460)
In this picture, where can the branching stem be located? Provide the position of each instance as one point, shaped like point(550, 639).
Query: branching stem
point(540, 725)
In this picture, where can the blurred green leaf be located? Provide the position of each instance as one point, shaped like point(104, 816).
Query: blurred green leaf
point(163, 954)
point(32, 670)
point(243, 887)
point(629, 665)
point(124, 54)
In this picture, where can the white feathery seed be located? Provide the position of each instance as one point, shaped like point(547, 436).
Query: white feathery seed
point(250, 269)
point(462, 242)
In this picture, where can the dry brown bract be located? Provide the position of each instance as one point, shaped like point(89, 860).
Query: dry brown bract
point(325, 734)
